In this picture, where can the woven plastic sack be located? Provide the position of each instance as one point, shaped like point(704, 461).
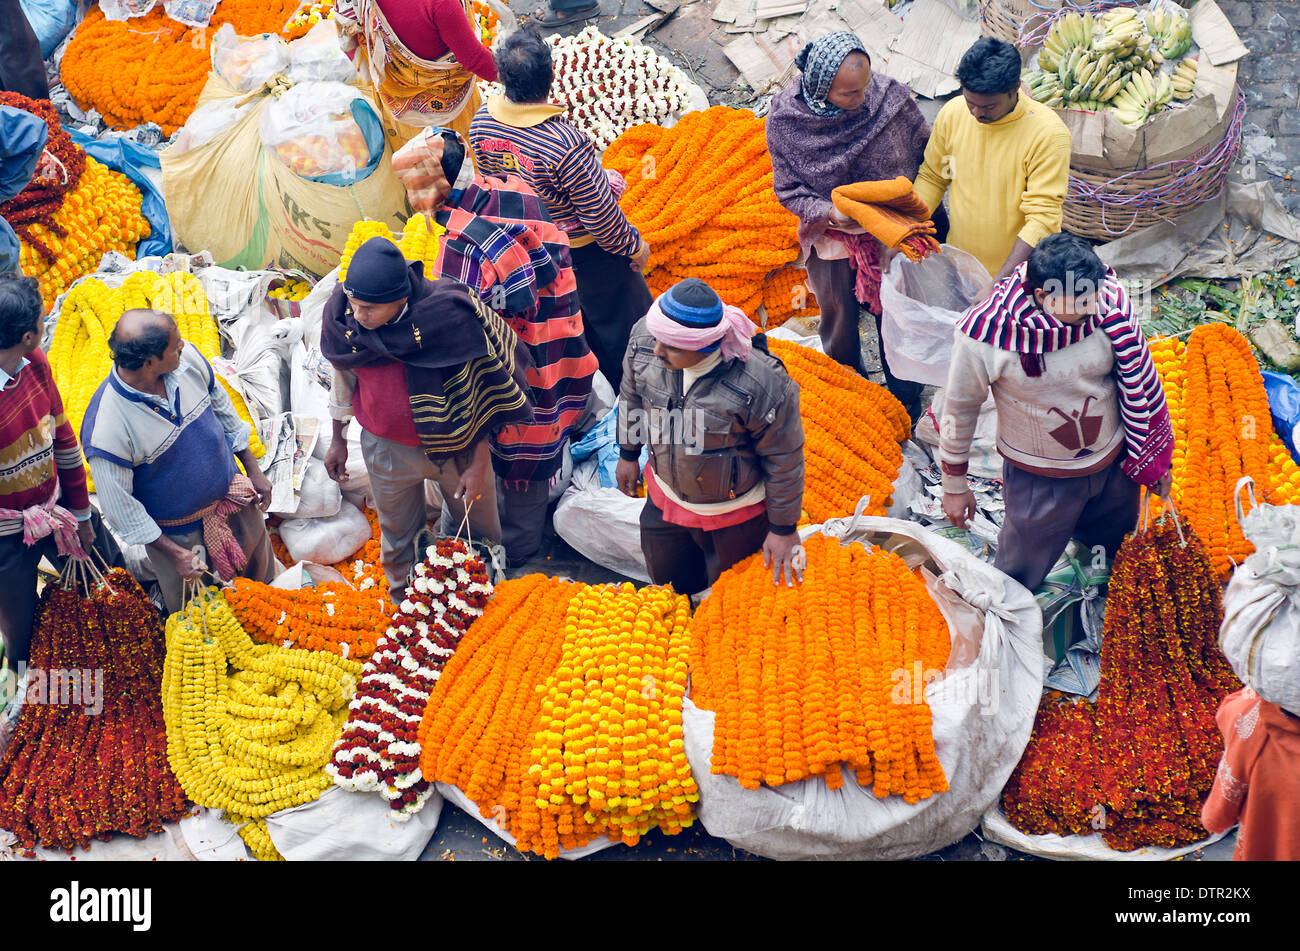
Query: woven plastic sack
point(351, 827)
point(983, 709)
point(1260, 634)
point(921, 302)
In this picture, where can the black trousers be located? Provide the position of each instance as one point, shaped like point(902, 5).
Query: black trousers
point(613, 298)
point(691, 559)
point(21, 68)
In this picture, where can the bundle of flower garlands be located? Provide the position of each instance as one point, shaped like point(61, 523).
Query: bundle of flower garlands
point(701, 195)
point(853, 431)
point(786, 295)
point(1137, 764)
point(330, 617)
point(610, 85)
point(560, 714)
point(152, 68)
point(800, 678)
point(306, 17)
point(486, 22)
point(249, 726)
point(67, 224)
point(79, 354)
point(379, 750)
point(88, 756)
point(1222, 431)
point(420, 241)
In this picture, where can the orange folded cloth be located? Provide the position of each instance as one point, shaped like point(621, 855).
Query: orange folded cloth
point(891, 212)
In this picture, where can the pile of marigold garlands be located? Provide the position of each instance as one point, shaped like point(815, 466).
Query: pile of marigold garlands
point(420, 241)
point(90, 762)
point(853, 431)
point(1222, 431)
point(66, 225)
point(152, 68)
point(79, 354)
point(560, 714)
point(1138, 763)
point(701, 195)
point(250, 726)
point(800, 678)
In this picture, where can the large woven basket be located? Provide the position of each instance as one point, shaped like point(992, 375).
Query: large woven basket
point(1004, 19)
point(1105, 206)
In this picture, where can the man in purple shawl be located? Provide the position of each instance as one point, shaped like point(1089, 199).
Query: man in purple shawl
point(838, 124)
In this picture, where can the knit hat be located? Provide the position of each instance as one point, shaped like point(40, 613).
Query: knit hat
point(691, 316)
point(692, 303)
point(378, 274)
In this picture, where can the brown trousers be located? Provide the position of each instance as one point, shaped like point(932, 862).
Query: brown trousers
point(248, 525)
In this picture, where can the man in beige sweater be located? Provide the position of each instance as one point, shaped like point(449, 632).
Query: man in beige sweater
point(1082, 421)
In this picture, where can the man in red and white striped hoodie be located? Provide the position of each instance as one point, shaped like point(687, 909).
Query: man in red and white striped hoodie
point(1082, 420)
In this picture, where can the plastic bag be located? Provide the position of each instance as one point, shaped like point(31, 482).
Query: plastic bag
point(195, 13)
point(324, 132)
point(985, 461)
point(921, 302)
point(1260, 634)
point(326, 541)
point(246, 64)
point(126, 9)
point(51, 20)
point(345, 826)
point(1284, 406)
point(208, 121)
point(316, 57)
point(983, 710)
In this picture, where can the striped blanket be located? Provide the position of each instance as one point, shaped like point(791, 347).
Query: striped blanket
point(501, 242)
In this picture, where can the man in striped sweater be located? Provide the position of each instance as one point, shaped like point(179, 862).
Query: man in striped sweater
point(44, 506)
point(523, 134)
point(1082, 420)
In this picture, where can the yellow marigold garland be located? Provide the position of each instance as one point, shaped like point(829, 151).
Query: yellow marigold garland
point(803, 680)
point(701, 194)
point(853, 429)
point(1222, 430)
point(421, 240)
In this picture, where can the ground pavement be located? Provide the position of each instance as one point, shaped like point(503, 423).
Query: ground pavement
point(693, 41)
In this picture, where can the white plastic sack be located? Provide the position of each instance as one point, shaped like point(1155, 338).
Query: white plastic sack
point(985, 462)
point(208, 121)
point(318, 497)
point(312, 129)
point(353, 827)
point(1086, 848)
point(1260, 635)
point(459, 799)
point(983, 711)
point(601, 523)
point(211, 838)
point(317, 56)
point(166, 846)
point(920, 303)
point(306, 574)
point(326, 541)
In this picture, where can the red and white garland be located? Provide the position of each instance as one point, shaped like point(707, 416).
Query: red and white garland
point(378, 750)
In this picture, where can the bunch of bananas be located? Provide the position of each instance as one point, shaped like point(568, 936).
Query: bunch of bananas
point(1068, 33)
point(1171, 31)
point(1142, 96)
point(1185, 78)
point(1124, 34)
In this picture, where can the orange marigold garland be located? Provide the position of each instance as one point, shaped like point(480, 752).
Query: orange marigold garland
point(152, 68)
point(328, 617)
point(801, 679)
point(701, 195)
point(1222, 431)
point(786, 295)
point(551, 670)
point(853, 430)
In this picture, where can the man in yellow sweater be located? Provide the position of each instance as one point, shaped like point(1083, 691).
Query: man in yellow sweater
point(1003, 159)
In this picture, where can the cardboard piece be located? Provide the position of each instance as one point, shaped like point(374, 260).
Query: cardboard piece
point(644, 25)
point(926, 53)
point(771, 9)
point(727, 10)
point(1214, 34)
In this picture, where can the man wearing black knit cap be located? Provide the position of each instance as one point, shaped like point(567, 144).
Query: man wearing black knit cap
point(721, 417)
point(431, 373)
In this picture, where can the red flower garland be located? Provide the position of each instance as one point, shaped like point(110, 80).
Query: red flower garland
point(68, 775)
point(1137, 764)
point(39, 201)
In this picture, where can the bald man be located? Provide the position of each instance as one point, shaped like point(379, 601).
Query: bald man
point(162, 436)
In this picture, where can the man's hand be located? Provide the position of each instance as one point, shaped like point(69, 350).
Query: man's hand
point(262, 486)
point(959, 507)
point(336, 460)
point(1164, 484)
point(628, 476)
point(473, 479)
point(184, 561)
point(86, 533)
point(779, 551)
point(641, 258)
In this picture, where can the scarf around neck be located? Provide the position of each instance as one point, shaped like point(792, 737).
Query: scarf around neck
point(819, 61)
point(1011, 320)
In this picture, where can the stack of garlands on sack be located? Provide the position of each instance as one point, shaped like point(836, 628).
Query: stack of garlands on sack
point(853, 431)
point(249, 726)
point(152, 68)
point(1137, 764)
point(330, 617)
point(701, 194)
point(560, 714)
point(801, 679)
point(1222, 431)
point(88, 756)
point(307, 16)
point(79, 354)
point(420, 241)
point(65, 226)
point(379, 750)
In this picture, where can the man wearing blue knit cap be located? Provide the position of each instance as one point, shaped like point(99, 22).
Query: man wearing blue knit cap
point(721, 417)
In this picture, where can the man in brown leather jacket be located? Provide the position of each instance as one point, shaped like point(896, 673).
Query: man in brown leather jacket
point(721, 417)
